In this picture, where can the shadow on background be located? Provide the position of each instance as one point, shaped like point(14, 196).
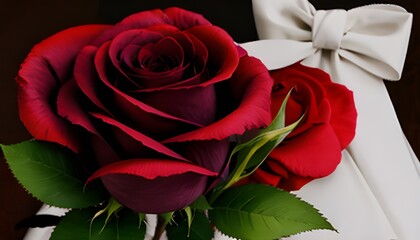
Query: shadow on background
point(24, 23)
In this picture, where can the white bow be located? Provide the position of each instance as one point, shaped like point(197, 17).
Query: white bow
point(373, 37)
point(357, 48)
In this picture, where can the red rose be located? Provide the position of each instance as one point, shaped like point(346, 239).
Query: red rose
point(149, 104)
point(313, 149)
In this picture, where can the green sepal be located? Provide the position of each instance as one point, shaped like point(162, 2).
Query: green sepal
point(77, 225)
point(262, 212)
point(52, 174)
point(189, 214)
point(200, 228)
point(200, 204)
point(111, 209)
point(251, 154)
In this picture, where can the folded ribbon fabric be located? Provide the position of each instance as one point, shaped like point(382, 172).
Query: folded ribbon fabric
point(359, 48)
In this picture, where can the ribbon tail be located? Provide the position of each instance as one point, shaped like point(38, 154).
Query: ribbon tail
point(279, 53)
point(380, 149)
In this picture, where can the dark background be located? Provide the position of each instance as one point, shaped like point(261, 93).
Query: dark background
point(24, 23)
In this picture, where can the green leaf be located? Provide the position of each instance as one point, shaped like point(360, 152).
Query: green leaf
point(52, 174)
point(77, 225)
point(263, 212)
point(200, 228)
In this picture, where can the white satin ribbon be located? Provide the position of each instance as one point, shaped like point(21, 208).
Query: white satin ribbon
point(359, 48)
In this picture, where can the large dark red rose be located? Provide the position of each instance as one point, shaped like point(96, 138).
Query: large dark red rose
point(313, 149)
point(149, 104)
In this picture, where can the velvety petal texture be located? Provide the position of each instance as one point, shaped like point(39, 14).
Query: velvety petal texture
point(48, 66)
point(149, 104)
point(313, 149)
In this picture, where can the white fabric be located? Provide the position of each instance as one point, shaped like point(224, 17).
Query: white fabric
point(375, 191)
point(372, 47)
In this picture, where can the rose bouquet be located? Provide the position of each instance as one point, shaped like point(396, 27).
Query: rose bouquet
point(164, 114)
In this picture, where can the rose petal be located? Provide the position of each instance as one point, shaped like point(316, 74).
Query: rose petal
point(147, 185)
point(197, 53)
point(145, 140)
point(139, 20)
point(184, 19)
point(294, 182)
point(87, 79)
point(121, 97)
point(223, 55)
point(48, 66)
point(139, 37)
point(343, 113)
point(161, 64)
point(57, 53)
point(252, 77)
point(209, 154)
point(287, 180)
point(315, 153)
point(150, 168)
point(163, 194)
point(71, 105)
point(70, 102)
point(197, 105)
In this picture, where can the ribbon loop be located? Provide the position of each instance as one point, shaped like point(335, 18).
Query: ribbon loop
point(373, 37)
point(328, 29)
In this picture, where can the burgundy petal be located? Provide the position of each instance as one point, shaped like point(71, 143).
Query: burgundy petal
point(48, 66)
point(197, 105)
point(223, 56)
point(184, 19)
point(163, 194)
point(197, 54)
point(101, 67)
point(161, 64)
point(147, 185)
point(209, 154)
point(252, 77)
point(139, 37)
point(145, 140)
point(87, 79)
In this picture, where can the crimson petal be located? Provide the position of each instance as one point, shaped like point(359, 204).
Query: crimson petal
point(47, 67)
point(69, 106)
point(139, 20)
point(343, 113)
point(184, 19)
point(151, 168)
point(315, 153)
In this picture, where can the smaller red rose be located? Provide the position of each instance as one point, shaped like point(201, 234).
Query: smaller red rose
point(313, 149)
